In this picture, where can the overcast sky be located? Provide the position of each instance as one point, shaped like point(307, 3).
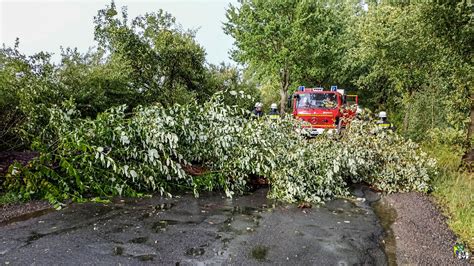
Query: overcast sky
point(45, 25)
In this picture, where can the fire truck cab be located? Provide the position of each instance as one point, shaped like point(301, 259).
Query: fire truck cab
point(323, 110)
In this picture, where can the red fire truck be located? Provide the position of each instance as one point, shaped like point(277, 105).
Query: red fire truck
point(323, 110)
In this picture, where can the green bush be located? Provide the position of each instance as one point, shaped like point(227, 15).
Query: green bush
point(128, 154)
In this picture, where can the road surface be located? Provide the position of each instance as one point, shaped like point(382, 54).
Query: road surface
point(184, 230)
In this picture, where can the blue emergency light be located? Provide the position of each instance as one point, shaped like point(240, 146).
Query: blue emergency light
point(333, 88)
point(301, 88)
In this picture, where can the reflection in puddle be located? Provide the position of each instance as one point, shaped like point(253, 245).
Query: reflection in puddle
point(163, 206)
point(195, 252)
point(387, 216)
point(242, 210)
point(161, 225)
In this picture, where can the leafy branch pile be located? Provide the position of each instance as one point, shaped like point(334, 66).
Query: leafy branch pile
point(121, 153)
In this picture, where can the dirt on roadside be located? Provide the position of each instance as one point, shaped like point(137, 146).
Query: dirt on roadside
point(421, 234)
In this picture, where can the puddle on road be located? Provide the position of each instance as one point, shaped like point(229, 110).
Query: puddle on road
point(145, 257)
point(161, 225)
point(240, 220)
point(118, 251)
point(246, 210)
point(259, 252)
point(163, 206)
point(387, 216)
point(27, 216)
point(139, 240)
point(195, 252)
point(344, 208)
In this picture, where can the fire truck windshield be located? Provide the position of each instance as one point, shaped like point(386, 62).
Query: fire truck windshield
point(316, 100)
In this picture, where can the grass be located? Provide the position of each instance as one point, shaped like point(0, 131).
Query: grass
point(454, 190)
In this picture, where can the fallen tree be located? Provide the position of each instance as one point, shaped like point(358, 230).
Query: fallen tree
point(147, 150)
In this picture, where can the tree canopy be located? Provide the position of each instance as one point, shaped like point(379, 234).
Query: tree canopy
point(288, 41)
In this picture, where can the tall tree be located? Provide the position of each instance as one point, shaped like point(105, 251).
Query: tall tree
point(404, 63)
point(166, 64)
point(292, 40)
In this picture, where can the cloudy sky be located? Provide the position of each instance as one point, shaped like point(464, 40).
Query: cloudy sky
point(45, 25)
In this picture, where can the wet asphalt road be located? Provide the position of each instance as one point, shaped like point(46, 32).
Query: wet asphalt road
point(187, 231)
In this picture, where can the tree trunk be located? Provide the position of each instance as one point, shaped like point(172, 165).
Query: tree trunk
point(470, 129)
point(468, 157)
point(285, 76)
point(406, 119)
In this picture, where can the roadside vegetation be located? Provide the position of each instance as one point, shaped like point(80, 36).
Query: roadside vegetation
point(453, 188)
point(138, 112)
